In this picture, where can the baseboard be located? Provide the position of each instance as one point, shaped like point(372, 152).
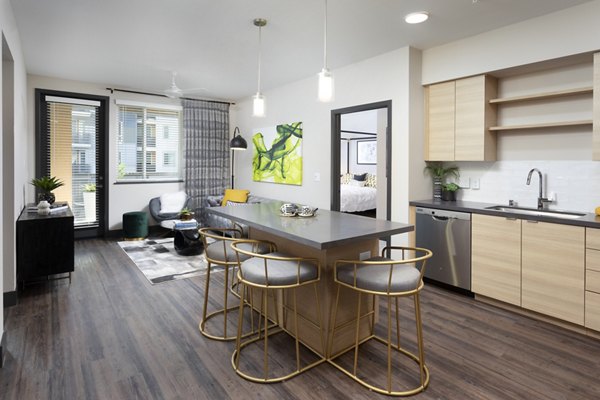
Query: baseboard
point(2, 347)
point(10, 299)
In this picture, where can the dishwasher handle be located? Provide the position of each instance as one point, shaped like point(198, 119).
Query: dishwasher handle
point(438, 218)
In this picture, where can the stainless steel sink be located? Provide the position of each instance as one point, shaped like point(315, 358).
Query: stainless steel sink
point(537, 212)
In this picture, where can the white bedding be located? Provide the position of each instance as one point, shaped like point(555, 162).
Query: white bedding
point(355, 198)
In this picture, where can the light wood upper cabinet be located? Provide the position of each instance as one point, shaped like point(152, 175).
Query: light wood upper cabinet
point(473, 140)
point(553, 270)
point(496, 258)
point(458, 117)
point(440, 121)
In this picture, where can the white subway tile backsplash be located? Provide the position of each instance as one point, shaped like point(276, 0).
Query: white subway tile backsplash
point(576, 183)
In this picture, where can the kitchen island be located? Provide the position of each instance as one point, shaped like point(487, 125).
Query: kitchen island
point(327, 236)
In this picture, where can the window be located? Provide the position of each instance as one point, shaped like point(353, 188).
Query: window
point(139, 147)
point(168, 159)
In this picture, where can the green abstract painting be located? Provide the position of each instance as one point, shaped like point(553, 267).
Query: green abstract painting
point(281, 162)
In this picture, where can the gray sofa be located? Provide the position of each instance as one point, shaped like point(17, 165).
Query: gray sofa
point(216, 221)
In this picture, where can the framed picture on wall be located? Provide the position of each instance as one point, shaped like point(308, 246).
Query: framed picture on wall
point(366, 152)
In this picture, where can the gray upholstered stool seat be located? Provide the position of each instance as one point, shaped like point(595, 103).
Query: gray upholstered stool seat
point(280, 272)
point(219, 251)
point(376, 277)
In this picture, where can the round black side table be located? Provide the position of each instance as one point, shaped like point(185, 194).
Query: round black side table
point(187, 242)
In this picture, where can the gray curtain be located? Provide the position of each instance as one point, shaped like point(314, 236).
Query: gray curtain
point(206, 156)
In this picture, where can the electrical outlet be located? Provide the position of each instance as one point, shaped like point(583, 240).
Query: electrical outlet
point(475, 184)
point(464, 182)
point(317, 177)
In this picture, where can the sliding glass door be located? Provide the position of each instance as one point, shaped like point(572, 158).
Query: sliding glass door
point(70, 146)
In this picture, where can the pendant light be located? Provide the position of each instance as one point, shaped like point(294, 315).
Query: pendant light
point(325, 76)
point(258, 100)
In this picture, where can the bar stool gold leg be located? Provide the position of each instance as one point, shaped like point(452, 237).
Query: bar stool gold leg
point(357, 333)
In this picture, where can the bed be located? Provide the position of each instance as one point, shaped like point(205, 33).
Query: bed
point(357, 198)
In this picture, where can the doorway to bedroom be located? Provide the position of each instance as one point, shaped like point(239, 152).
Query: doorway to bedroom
point(361, 159)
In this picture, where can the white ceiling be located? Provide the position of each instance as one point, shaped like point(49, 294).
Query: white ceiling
point(213, 44)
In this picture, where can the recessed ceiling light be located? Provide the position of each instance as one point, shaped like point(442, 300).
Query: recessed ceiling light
point(416, 17)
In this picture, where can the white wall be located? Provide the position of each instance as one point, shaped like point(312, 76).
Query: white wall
point(8, 27)
point(380, 78)
point(121, 197)
point(571, 31)
point(562, 154)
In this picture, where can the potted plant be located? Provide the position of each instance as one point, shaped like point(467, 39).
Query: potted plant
point(89, 201)
point(45, 185)
point(449, 191)
point(438, 173)
point(186, 214)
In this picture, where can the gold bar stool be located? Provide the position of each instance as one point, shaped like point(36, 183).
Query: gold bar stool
point(392, 279)
point(218, 251)
point(276, 273)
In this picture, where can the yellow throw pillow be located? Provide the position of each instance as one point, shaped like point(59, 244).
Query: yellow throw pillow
point(237, 195)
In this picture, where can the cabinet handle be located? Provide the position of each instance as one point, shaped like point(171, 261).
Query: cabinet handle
point(511, 219)
point(531, 221)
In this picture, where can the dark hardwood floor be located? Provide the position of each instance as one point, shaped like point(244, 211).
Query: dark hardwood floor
point(111, 335)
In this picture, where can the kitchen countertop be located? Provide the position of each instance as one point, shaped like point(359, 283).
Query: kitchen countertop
point(588, 220)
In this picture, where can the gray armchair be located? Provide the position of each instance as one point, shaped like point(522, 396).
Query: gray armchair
point(155, 207)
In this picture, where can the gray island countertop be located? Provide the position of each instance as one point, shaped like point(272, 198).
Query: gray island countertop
point(325, 230)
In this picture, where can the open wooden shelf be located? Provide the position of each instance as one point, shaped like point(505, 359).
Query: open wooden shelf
point(546, 95)
point(541, 125)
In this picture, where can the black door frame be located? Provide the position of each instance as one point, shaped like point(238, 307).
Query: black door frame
point(336, 137)
point(42, 167)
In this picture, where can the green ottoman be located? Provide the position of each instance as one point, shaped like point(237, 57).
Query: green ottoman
point(135, 225)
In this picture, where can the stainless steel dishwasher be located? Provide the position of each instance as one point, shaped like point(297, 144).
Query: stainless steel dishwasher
point(448, 235)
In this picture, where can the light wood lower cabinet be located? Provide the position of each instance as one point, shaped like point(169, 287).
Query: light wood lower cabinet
point(553, 270)
point(592, 310)
point(592, 278)
point(496, 258)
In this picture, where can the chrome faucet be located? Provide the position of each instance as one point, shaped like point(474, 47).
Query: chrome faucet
point(541, 200)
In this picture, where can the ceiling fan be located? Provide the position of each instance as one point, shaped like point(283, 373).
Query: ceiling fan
point(174, 92)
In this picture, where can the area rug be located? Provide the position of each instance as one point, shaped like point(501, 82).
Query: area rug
point(159, 262)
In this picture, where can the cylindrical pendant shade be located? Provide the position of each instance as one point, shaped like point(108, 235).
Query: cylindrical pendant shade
point(325, 85)
point(258, 105)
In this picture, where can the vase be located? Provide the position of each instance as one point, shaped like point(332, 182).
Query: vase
point(43, 208)
point(437, 188)
point(48, 196)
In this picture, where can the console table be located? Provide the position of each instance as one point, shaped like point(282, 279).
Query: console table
point(45, 246)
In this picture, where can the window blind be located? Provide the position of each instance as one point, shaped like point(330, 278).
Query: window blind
point(71, 153)
point(148, 143)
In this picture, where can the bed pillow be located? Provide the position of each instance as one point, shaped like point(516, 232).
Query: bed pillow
point(345, 178)
point(354, 182)
point(172, 202)
point(237, 195)
point(371, 181)
point(360, 177)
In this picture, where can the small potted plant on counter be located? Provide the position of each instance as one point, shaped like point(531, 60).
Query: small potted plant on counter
point(449, 191)
point(438, 173)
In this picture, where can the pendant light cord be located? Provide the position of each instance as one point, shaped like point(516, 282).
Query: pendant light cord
point(259, 54)
point(325, 39)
